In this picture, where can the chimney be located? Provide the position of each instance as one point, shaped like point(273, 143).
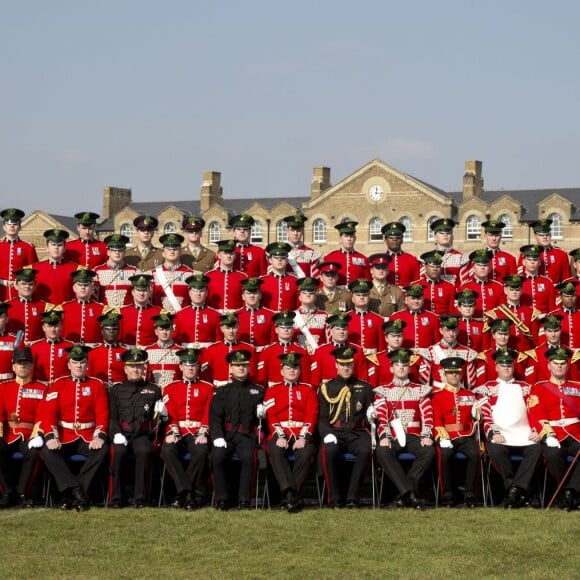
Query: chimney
point(472, 179)
point(320, 181)
point(114, 200)
point(211, 190)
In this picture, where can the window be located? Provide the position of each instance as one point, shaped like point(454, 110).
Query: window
point(215, 232)
point(408, 235)
point(282, 231)
point(375, 226)
point(319, 231)
point(508, 231)
point(169, 228)
point(127, 230)
point(257, 234)
point(430, 232)
point(557, 226)
point(473, 228)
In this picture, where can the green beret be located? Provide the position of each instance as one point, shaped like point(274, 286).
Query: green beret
point(163, 320)
point(414, 291)
point(110, 319)
point(308, 284)
point(135, 356)
point(552, 322)
point(395, 326)
point(251, 284)
point(141, 281)
point(188, 356)
point(505, 356)
point(296, 221)
point(449, 321)
point(543, 226)
point(52, 317)
point(284, 318)
point(25, 275)
point(83, 276)
point(56, 236)
point(513, 281)
point(493, 227)
point(502, 325)
point(432, 258)
point(481, 256)
point(531, 251)
point(575, 254)
point(87, 218)
point(229, 319)
point(466, 297)
point(567, 288)
point(559, 354)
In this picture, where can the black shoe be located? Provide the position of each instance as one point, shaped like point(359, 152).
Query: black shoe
point(179, 500)
point(222, 505)
point(569, 500)
point(190, 503)
point(244, 505)
point(352, 504)
point(25, 502)
point(334, 505)
point(470, 500)
point(139, 504)
point(116, 504)
point(419, 504)
point(80, 499)
point(5, 499)
point(513, 498)
point(446, 500)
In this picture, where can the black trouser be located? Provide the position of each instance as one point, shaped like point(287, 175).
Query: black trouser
point(185, 478)
point(290, 477)
point(500, 459)
point(359, 444)
point(28, 465)
point(406, 482)
point(56, 463)
point(557, 464)
point(469, 447)
point(143, 448)
point(244, 446)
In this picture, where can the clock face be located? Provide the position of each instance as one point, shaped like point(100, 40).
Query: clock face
point(376, 193)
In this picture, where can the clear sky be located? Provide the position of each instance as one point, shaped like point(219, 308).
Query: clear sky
point(149, 95)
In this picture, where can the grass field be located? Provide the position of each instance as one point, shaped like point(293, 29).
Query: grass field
point(321, 543)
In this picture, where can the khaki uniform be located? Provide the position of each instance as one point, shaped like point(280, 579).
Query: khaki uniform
point(204, 262)
point(339, 302)
point(387, 300)
point(152, 258)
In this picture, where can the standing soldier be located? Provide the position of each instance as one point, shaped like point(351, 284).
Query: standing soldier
point(187, 401)
point(279, 290)
point(233, 421)
point(570, 315)
point(15, 253)
point(537, 362)
point(256, 326)
point(310, 321)
point(292, 410)
point(144, 255)
point(455, 264)
point(75, 420)
point(329, 297)
point(112, 278)
point(575, 273)
point(20, 402)
point(105, 360)
point(7, 345)
point(224, 289)
point(343, 427)
point(537, 290)
point(470, 331)
point(163, 362)
point(53, 282)
point(502, 263)
point(439, 293)
point(197, 325)
point(365, 327)
point(249, 259)
point(302, 260)
point(87, 250)
point(354, 265)
point(384, 298)
point(404, 267)
point(136, 408)
point(193, 254)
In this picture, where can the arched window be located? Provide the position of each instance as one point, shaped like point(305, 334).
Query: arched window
point(169, 228)
point(408, 235)
point(215, 232)
point(557, 226)
point(319, 231)
point(473, 228)
point(375, 226)
point(430, 232)
point(282, 231)
point(508, 232)
point(257, 234)
point(127, 230)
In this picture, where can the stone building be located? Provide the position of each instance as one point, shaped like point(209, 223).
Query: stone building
point(373, 195)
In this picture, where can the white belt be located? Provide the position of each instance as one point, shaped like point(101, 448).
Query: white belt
point(68, 425)
point(220, 383)
point(189, 424)
point(196, 345)
point(5, 376)
point(291, 424)
point(411, 423)
point(564, 422)
point(368, 351)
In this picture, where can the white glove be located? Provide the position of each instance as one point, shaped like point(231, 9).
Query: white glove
point(446, 444)
point(330, 438)
point(475, 410)
point(36, 442)
point(552, 441)
point(120, 439)
point(260, 411)
point(220, 442)
point(371, 413)
point(160, 410)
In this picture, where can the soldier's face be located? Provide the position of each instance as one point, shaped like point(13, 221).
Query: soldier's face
point(481, 271)
point(501, 339)
point(240, 372)
point(347, 241)
point(52, 331)
point(141, 296)
point(449, 335)
point(135, 373)
point(189, 371)
point(171, 254)
point(568, 301)
point(227, 259)
point(307, 299)
point(466, 310)
point(86, 232)
point(295, 235)
point(394, 341)
point(338, 334)
point(163, 334)
point(54, 251)
point(329, 280)
point(290, 374)
point(360, 301)
point(532, 265)
point(11, 229)
point(505, 372)
point(558, 369)
point(110, 333)
point(192, 236)
point(24, 289)
point(3, 322)
point(345, 370)
point(379, 273)
point(453, 377)
point(513, 295)
point(144, 235)
point(400, 370)
point(284, 333)
point(444, 239)
point(116, 256)
point(279, 263)
point(553, 335)
point(197, 296)
point(251, 299)
point(230, 332)
point(433, 271)
point(22, 369)
point(543, 239)
point(394, 243)
point(414, 303)
point(242, 234)
point(78, 368)
point(82, 291)
point(493, 240)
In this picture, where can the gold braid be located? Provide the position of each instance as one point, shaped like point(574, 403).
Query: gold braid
point(342, 399)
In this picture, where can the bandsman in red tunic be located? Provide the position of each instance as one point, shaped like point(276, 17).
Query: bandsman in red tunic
point(138, 325)
point(25, 310)
point(193, 254)
point(86, 250)
point(249, 259)
point(20, 401)
point(291, 407)
point(502, 263)
point(224, 289)
point(197, 325)
point(7, 345)
point(53, 275)
point(162, 359)
point(404, 267)
point(112, 284)
point(15, 253)
point(570, 315)
point(353, 264)
point(554, 407)
point(302, 260)
point(470, 331)
point(75, 420)
point(256, 326)
point(310, 321)
point(187, 401)
point(105, 362)
point(455, 265)
point(439, 293)
point(279, 290)
point(537, 290)
point(454, 431)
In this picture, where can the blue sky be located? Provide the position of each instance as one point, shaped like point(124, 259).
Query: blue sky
point(149, 95)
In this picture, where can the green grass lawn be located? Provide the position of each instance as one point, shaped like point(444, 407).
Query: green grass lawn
point(317, 543)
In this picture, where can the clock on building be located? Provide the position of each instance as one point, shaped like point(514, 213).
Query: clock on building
point(376, 193)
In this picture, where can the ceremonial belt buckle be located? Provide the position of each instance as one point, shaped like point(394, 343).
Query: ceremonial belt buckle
point(76, 425)
point(15, 417)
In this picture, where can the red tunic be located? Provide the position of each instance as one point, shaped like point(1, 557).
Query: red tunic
point(452, 413)
point(279, 292)
point(502, 264)
point(88, 253)
point(524, 333)
point(251, 260)
point(269, 364)
point(176, 278)
point(403, 269)
point(162, 364)
point(6, 353)
point(307, 260)
point(196, 326)
point(540, 293)
point(486, 367)
point(256, 327)
point(224, 290)
point(105, 363)
point(76, 409)
point(490, 295)
point(537, 364)
point(323, 364)
point(381, 375)
point(112, 285)
point(354, 265)
point(19, 409)
point(27, 316)
point(292, 410)
point(53, 283)
point(80, 321)
point(214, 367)
point(137, 327)
point(570, 327)
point(365, 331)
point(439, 295)
point(437, 352)
point(315, 322)
point(470, 333)
point(50, 359)
point(554, 264)
point(13, 257)
point(422, 328)
point(188, 407)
